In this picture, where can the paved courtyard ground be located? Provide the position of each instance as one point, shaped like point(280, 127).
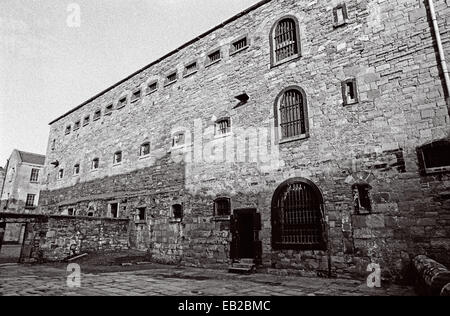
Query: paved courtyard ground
point(156, 280)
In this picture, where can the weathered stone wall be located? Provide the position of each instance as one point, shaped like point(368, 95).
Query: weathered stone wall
point(387, 46)
point(54, 238)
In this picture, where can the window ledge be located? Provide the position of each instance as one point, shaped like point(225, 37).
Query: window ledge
point(293, 139)
point(120, 107)
point(96, 119)
point(287, 60)
point(213, 63)
point(170, 83)
point(94, 170)
point(76, 175)
point(134, 101)
point(232, 53)
point(219, 136)
point(190, 74)
point(351, 103)
point(144, 157)
point(221, 218)
point(108, 114)
point(339, 24)
point(141, 222)
point(151, 92)
point(117, 164)
point(434, 171)
point(175, 220)
point(34, 182)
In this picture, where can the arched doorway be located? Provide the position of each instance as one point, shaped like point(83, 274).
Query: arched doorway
point(297, 216)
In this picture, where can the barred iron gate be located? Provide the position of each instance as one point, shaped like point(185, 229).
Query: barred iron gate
point(297, 217)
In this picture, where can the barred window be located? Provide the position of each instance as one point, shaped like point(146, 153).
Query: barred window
point(223, 126)
point(171, 78)
point(86, 120)
point(77, 125)
point(145, 150)
point(239, 45)
point(34, 175)
point(122, 102)
point(136, 95)
point(97, 115)
point(30, 200)
point(152, 87)
point(95, 163)
point(222, 207)
point(76, 169)
point(68, 129)
point(118, 157)
point(109, 109)
point(285, 40)
point(190, 68)
point(291, 114)
point(178, 140)
point(214, 57)
point(297, 219)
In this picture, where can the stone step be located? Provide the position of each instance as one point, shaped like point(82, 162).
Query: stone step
point(247, 261)
point(246, 270)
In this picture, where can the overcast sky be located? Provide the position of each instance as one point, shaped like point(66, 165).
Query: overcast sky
point(47, 67)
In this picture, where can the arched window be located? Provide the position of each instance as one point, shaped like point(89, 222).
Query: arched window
point(297, 218)
point(222, 207)
point(291, 114)
point(285, 40)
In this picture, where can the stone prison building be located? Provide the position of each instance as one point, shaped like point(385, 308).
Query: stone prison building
point(310, 137)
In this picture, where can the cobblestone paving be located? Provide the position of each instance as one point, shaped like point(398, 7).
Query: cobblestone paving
point(45, 280)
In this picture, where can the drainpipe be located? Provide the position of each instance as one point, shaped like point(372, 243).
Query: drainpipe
point(442, 61)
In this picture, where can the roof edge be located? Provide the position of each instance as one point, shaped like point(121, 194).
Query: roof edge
point(176, 50)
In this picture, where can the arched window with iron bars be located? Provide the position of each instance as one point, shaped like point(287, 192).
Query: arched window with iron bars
point(285, 40)
point(297, 216)
point(291, 114)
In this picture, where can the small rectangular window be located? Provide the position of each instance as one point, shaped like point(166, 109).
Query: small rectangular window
point(145, 150)
point(136, 96)
point(340, 15)
point(178, 140)
point(152, 87)
point(109, 109)
point(435, 157)
point(77, 125)
point(61, 173)
point(118, 157)
point(141, 214)
point(68, 129)
point(223, 126)
point(30, 200)
point(214, 57)
point(76, 169)
point(114, 210)
point(54, 144)
point(97, 115)
point(239, 45)
point(86, 120)
point(172, 78)
point(34, 175)
point(361, 196)
point(190, 69)
point(350, 92)
point(122, 102)
point(70, 212)
point(95, 164)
